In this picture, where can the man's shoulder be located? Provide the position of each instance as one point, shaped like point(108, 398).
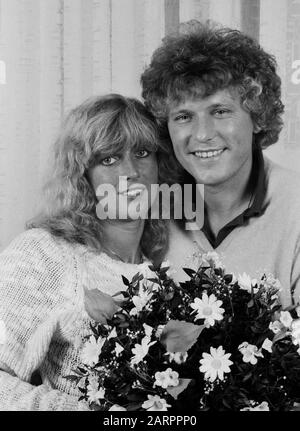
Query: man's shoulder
point(282, 183)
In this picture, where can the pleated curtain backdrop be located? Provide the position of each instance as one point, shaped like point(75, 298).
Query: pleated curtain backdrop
point(56, 53)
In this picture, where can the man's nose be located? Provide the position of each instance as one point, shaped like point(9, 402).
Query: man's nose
point(204, 128)
point(130, 168)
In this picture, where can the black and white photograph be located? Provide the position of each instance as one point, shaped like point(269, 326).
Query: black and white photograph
point(150, 208)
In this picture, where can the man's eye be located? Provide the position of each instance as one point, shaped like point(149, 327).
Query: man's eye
point(142, 153)
point(221, 112)
point(108, 161)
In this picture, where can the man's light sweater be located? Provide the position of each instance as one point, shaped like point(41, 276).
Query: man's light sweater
point(42, 282)
point(267, 243)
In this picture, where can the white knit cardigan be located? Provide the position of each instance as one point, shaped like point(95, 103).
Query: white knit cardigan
point(42, 282)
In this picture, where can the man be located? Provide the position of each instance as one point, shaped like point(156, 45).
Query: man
point(216, 92)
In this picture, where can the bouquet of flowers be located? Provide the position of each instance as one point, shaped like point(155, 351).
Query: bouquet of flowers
point(213, 342)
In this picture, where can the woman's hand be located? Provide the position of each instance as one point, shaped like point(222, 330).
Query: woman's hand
point(100, 306)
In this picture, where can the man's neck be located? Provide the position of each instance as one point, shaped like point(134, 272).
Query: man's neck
point(121, 239)
point(226, 201)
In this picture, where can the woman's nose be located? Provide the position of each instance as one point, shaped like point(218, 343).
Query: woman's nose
point(130, 168)
point(204, 128)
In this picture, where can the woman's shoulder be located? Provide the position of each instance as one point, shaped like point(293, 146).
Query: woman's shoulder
point(38, 265)
point(36, 244)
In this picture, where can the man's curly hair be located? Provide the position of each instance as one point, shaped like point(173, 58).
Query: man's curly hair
point(207, 58)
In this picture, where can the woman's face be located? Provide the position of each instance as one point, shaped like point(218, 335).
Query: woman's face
point(122, 183)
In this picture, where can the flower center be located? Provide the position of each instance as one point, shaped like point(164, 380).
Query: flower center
point(216, 364)
point(158, 405)
point(207, 311)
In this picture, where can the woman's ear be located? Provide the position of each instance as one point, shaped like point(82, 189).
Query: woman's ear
point(256, 128)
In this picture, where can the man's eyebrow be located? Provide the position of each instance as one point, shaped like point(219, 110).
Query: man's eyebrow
point(227, 102)
point(222, 103)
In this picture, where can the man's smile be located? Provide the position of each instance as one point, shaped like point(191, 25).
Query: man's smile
point(208, 154)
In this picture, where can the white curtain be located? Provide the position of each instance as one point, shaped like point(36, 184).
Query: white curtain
point(56, 53)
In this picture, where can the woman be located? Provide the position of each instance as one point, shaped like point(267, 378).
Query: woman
point(54, 275)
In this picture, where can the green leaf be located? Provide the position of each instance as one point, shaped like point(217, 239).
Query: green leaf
point(190, 272)
point(133, 406)
point(99, 306)
point(136, 278)
point(180, 336)
point(154, 280)
point(250, 303)
point(247, 376)
point(175, 391)
point(125, 281)
point(279, 336)
point(124, 325)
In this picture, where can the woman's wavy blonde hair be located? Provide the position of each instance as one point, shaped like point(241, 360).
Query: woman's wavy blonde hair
point(98, 124)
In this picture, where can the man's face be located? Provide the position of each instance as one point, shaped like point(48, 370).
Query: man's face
point(212, 138)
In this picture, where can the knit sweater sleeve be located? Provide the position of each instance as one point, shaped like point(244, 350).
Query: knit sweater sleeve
point(32, 271)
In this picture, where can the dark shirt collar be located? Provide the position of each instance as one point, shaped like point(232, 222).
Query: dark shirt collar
point(257, 186)
point(258, 183)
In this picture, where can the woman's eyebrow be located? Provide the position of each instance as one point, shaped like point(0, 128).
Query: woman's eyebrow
point(177, 111)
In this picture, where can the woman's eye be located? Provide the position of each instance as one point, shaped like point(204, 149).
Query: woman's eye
point(182, 118)
point(108, 161)
point(142, 153)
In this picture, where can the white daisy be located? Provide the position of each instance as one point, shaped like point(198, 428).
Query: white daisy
point(155, 403)
point(141, 350)
point(208, 308)
point(94, 395)
point(246, 283)
point(140, 301)
point(215, 364)
point(91, 350)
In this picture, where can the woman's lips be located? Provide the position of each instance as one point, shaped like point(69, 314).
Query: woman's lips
point(133, 191)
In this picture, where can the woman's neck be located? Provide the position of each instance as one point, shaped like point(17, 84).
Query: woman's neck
point(121, 239)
